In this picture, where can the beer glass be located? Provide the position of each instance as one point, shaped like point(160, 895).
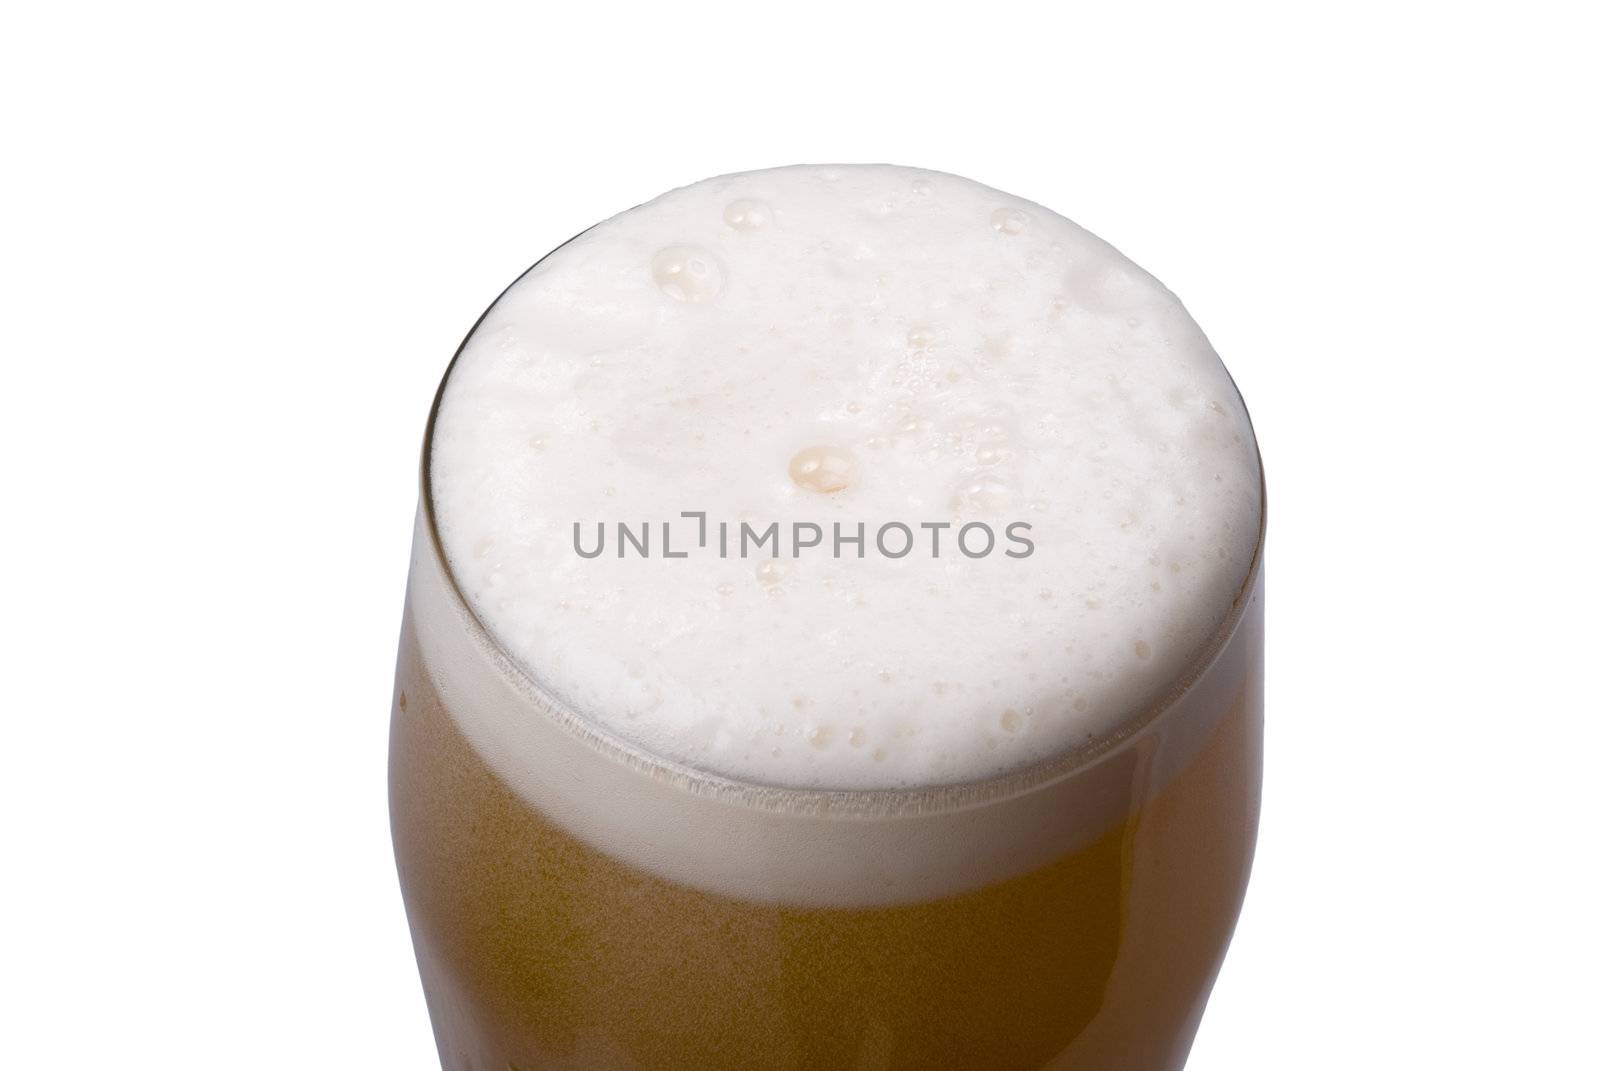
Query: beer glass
point(579, 900)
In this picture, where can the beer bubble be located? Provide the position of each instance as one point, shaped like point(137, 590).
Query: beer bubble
point(991, 455)
point(824, 469)
point(1008, 221)
point(985, 493)
point(687, 273)
point(746, 214)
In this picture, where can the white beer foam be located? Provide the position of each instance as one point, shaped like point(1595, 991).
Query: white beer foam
point(863, 344)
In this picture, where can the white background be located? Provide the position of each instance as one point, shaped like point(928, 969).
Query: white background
point(240, 245)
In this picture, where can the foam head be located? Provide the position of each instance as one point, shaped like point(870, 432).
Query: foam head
point(1015, 492)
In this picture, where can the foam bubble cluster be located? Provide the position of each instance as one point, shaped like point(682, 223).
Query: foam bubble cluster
point(845, 348)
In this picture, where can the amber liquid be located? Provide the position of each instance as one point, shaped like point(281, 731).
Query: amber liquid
point(538, 951)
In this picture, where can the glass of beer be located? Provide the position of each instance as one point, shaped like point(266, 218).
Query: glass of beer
point(833, 640)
